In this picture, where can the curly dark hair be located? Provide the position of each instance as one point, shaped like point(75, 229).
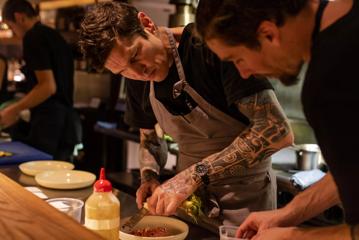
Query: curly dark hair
point(237, 21)
point(102, 25)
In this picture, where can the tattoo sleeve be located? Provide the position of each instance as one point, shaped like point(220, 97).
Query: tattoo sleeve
point(268, 132)
point(153, 154)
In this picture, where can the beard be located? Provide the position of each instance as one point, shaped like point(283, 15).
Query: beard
point(292, 77)
point(289, 80)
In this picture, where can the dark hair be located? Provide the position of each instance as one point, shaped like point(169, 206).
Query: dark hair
point(20, 6)
point(237, 21)
point(102, 24)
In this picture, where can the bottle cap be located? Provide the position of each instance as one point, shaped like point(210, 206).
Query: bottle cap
point(102, 185)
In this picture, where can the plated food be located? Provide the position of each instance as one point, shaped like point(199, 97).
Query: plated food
point(151, 232)
point(157, 228)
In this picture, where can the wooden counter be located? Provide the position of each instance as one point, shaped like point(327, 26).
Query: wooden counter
point(25, 216)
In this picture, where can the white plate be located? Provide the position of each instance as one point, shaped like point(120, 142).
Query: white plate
point(65, 179)
point(34, 167)
point(178, 228)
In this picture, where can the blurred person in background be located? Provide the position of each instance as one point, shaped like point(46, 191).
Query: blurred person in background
point(49, 70)
point(274, 38)
point(4, 95)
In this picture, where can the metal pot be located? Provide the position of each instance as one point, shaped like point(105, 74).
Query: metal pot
point(309, 156)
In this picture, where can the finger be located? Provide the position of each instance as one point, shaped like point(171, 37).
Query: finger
point(160, 207)
point(140, 197)
point(250, 234)
point(171, 208)
point(247, 225)
point(242, 230)
point(152, 203)
point(256, 237)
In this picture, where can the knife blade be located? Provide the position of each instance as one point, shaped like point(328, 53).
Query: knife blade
point(132, 222)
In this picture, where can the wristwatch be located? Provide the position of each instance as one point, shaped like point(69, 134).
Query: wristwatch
point(201, 170)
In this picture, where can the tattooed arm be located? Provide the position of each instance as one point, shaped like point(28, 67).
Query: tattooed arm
point(268, 132)
point(153, 156)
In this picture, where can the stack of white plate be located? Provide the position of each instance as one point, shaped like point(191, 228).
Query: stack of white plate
point(57, 174)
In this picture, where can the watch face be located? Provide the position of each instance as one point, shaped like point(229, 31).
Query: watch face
point(201, 169)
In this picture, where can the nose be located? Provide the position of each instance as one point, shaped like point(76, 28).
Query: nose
point(139, 70)
point(243, 71)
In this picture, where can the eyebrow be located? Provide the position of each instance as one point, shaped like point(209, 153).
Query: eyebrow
point(227, 59)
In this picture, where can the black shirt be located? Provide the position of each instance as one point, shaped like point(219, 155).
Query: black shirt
point(4, 95)
point(331, 104)
point(45, 49)
point(217, 82)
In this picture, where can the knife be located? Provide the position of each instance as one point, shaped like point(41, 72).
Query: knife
point(132, 222)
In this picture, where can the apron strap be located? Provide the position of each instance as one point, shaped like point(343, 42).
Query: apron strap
point(178, 86)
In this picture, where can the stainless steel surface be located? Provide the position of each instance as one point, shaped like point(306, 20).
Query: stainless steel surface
point(132, 222)
point(308, 156)
point(185, 13)
point(187, 2)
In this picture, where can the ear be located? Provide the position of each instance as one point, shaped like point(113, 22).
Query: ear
point(146, 22)
point(269, 31)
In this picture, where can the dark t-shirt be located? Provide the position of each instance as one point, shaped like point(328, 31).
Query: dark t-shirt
point(331, 104)
point(4, 95)
point(217, 82)
point(45, 49)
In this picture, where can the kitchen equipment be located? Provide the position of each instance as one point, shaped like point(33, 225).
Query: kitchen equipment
point(65, 179)
point(34, 167)
point(185, 13)
point(132, 222)
point(177, 229)
point(308, 156)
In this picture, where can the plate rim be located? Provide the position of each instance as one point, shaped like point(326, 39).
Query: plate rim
point(23, 166)
point(63, 185)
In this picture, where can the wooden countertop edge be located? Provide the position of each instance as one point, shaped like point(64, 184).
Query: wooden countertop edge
point(25, 216)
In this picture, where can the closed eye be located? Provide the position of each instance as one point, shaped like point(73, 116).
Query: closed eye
point(134, 56)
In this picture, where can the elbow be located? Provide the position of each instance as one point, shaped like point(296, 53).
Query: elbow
point(288, 139)
point(52, 88)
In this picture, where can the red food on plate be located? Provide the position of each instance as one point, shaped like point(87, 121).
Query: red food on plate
point(151, 232)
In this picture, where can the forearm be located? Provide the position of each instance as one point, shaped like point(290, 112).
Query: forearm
point(311, 202)
point(151, 153)
point(340, 232)
point(269, 132)
point(44, 89)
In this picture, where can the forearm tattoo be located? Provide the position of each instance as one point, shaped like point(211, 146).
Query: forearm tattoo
point(153, 152)
point(148, 175)
point(268, 132)
point(182, 183)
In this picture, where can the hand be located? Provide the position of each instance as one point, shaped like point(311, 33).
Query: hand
point(259, 221)
point(277, 234)
point(8, 117)
point(169, 196)
point(145, 190)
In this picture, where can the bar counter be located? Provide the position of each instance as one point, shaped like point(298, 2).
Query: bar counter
point(25, 216)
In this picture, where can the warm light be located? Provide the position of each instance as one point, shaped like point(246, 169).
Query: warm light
point(46, 5)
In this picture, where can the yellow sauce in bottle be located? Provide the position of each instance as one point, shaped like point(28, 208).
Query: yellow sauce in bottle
point(102, 210)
